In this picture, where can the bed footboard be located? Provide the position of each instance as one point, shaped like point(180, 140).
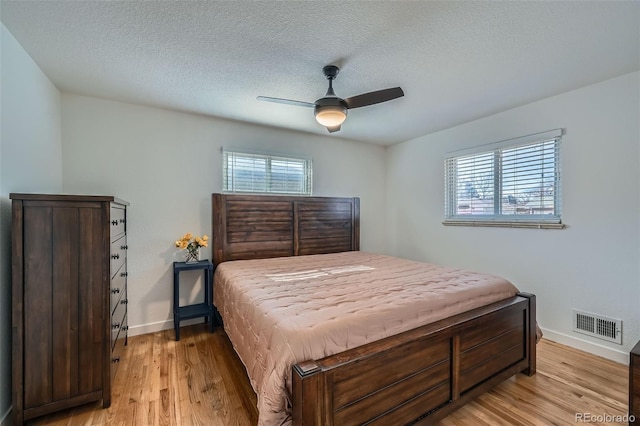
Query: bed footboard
point(421, 375)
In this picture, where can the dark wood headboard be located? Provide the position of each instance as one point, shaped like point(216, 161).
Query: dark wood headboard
point(263, 226)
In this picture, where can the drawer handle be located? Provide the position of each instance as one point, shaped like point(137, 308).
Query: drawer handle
point(124, 302)
point(115, 256)
point(114, 222)
point(115, 359)
point(124, 247)
point(121, 220)
point(115, 290)
point(124, 274)
point(125, 328)
point(115, 325)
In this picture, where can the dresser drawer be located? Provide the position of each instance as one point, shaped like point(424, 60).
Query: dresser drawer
point(118, 320)
point(118, 286)
point(118, 348)
point(118, 254)
point(117, 222)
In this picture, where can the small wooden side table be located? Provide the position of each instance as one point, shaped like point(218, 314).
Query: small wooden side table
point(197, 310)
point(634, 385)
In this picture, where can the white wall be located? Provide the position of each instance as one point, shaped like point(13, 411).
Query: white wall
point(167, 164)
point(30, 161)
point(593, 264)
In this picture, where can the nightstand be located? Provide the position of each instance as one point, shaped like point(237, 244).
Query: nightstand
point(197, 310)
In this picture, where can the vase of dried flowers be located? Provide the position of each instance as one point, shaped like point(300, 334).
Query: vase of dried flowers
point(191, 245)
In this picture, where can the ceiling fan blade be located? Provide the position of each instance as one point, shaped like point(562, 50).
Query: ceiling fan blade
point(372, 98)
point(333, 129)
point(286, 101)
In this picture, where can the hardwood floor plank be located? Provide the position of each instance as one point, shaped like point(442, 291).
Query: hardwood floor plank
point(196, 403)
point(200, 381)
point(217, 395)
point(138, 368)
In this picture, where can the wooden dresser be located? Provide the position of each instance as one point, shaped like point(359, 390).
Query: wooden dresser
point(69, 263)
point(634, 385)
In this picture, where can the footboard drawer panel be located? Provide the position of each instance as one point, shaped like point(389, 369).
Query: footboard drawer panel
point(386, 369)
point(488, 349)
point(406, 413)
point(497, 324)
point(429, 389)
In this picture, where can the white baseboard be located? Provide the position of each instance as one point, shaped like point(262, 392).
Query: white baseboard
point(154, 327)
point(6, 418)
point(583, 345)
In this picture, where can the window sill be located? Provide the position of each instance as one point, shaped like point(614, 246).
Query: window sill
point(497, 224)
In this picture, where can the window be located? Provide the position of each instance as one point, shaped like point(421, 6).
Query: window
point(247, 172)
point(510, 183)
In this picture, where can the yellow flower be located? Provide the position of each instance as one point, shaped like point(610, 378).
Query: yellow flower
point(192, 242)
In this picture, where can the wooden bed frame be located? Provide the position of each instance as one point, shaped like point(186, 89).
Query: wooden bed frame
point(416, 377)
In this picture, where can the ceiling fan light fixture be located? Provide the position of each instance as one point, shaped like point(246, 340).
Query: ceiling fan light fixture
point(330, 110)
point(330, 115)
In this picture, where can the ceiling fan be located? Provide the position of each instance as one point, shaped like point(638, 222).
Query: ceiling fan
point(331, 111)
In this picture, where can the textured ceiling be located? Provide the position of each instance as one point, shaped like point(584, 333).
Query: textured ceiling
point(456, 61)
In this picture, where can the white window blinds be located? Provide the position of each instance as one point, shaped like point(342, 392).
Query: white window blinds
point(263, 173)
point(513, 181)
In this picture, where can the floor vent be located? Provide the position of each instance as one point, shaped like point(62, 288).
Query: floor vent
point(597, 326)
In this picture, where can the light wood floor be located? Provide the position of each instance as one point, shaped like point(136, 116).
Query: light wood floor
point(200, 381)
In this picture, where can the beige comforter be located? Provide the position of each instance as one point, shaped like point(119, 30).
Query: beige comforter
point(278, 312)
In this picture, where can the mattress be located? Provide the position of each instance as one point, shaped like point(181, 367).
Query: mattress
point(281, 311)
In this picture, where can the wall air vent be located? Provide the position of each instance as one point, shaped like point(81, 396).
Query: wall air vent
point(604, 328)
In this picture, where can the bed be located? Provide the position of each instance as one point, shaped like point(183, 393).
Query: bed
point(413, 370)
